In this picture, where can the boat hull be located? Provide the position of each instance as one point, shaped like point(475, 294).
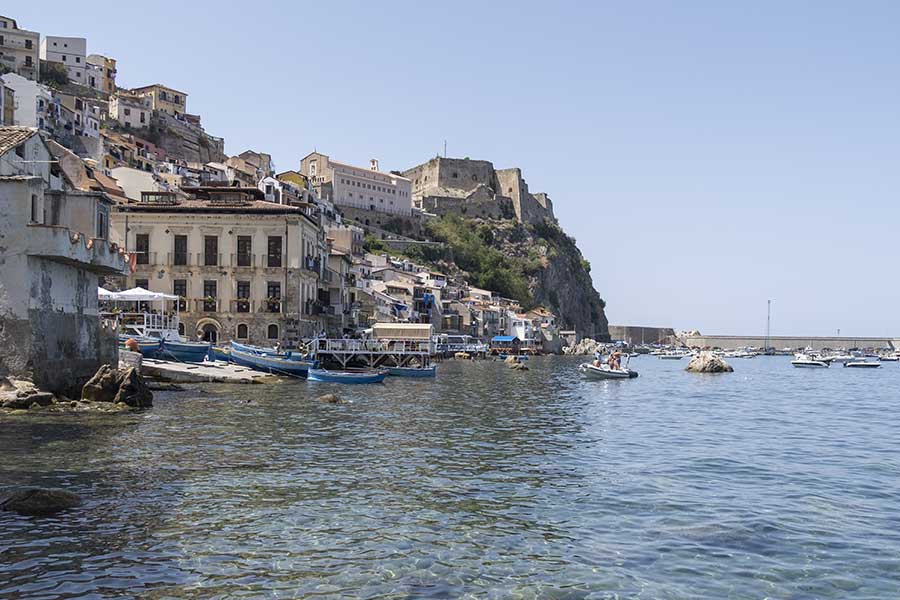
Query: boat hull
point(345, 377)
point(413, 371)
point(184, 351)
point(271, 364)
point(147, 348)
point(592, 372)
point(809, 364)
point(862, 365)
point(258, 350)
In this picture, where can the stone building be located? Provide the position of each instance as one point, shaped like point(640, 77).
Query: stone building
point(101, 73)
point(165, 99)
point(70, 52)
point(19, 49)
point(474, 188)
point(358, 187)
point(55, 247)
point(244, 268)
point(132, 111)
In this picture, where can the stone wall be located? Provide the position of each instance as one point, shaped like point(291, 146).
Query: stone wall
point(634, 334)
point(408, 226)
point(478, 206)
point(732, 342)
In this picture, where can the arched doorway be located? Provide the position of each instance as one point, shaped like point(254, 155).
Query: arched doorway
point(208, 330)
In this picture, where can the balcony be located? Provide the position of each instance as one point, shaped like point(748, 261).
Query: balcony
point(312, 264)
point(205, 259)
point(178, 259)
point(271, 306)
point(206, 305)
point(272, 261)
point(243, 260)
point(241, 305)
point(145, 260)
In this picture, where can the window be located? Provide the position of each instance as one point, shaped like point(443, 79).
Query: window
point(179, 288)
point(209, 295)
point(142, 283)
point(210, 250)
point(179, 256)
point(78, 59)
point(243, 297)
point(273, 296)
point(244, 250)
point(143, 117)
point(34, 202)
point(274, 255)
point(29, 47)
point(242, 331)
point(127, 112)
point(101, 225)
point(28, 62)
point(142, 248)
point(64, 57)
point(272, 332)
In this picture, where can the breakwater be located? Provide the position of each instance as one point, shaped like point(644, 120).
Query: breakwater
point(732, 342)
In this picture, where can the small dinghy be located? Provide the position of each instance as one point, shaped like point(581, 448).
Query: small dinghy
point(863, 364)
point(890, 358)
point(363, 376)
point(605, 372)
point(803, 361)
point(148, 347)
point(429, 371)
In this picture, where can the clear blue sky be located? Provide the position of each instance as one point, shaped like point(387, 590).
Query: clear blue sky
point(707, 156)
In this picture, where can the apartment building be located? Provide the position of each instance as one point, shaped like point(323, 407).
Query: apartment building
point(358, 187)
point(70, 52)
point(19, 49)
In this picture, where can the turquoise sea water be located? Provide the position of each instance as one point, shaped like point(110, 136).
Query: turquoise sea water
point(770, 482)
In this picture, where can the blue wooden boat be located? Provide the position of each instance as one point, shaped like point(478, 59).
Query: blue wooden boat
point(429, 371)
point(220, 353)
point(272, 364)
point(288, 355)
point(366, 376)
point(184, 351)
point(149, 347)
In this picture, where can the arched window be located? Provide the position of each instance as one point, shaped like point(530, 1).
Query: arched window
point(242, 333)
point(272, 332)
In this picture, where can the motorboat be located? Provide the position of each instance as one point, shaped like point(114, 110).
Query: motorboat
point(804, 361)
point(672, 355)
point(604, 371)
point(863, 364)
point(889, 358)
point(353, 377)
point(429, 371)
point(840, 358)
point(272, 364)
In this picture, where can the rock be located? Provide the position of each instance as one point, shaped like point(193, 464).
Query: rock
point(518, 366)
point(40, 501)
point(511, 360)
point(586, 347)
point(707, 362)
point(117, 386)
point(330, 399)
point(26, 400)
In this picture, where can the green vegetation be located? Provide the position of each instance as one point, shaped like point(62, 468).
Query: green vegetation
point(471, 249)
point(53, 74)
point(373, 244)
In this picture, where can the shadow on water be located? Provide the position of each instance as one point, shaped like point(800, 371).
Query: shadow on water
point(485, 481)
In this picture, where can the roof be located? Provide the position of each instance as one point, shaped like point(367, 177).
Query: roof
point(416, 331)
point(255, 206)
point(504, 338)
point(10, 137)
point(157, 85)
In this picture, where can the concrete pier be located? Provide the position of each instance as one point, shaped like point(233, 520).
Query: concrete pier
point(208, 372)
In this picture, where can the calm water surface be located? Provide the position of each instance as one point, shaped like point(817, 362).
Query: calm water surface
point(770, 482)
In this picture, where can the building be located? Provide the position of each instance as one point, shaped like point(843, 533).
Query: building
point(164, 99)
point(244, 269)
point(101, 73)
point(33, 101)
point(19, 49)
point(55, 248)
point(366, 189)
point(130, 110)
point(7, 105)
point(70, 52)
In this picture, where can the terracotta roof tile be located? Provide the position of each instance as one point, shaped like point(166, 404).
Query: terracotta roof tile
point(10, 137)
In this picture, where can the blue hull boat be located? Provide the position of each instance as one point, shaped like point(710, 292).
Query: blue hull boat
point(289, 355)
point(149, 347)
point(219, 353)
point(429, 371)
point(347, 376)
point(184, 351)
point(272, 364)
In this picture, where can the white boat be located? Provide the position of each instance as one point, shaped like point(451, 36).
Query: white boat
point(890, 358)
point(672, 355)
point(863, 364)
point(605, 372)
point(803, 361)
point(840, 358)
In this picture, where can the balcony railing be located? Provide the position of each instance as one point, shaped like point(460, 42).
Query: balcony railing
point(209, 260)
point(179, 259)
point(312, 264)
point(145, 259)
point(208, 305)
point(271, 306)
point(272, 261)
point(241, 305)
point(243, 260)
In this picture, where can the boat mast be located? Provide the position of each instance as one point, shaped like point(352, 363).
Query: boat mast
point(768, 324)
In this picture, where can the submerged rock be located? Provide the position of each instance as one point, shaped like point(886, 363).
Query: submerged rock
point(124, 386)
point(707, 362)
point(40, 501)
point(330, 399)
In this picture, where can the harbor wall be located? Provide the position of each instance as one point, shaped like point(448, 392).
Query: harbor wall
point(636, 334)
point(732, 342)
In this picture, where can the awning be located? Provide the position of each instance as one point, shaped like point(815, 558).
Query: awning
point(137, 294)
point(403, 331)
point(504, 338)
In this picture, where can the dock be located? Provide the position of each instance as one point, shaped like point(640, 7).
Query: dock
point(206, 372)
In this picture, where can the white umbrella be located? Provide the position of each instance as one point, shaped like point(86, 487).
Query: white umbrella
point(105, 294)
point(139, 294)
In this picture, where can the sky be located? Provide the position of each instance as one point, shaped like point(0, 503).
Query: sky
point(707, 156)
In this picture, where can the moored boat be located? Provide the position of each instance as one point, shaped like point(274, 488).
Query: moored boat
point(429, 371)
point(804, 361)
point(605, 372)
point(363, 376)
point(272, 364)
point(262, 351)
point(183, 351)
point(863, 364)
point(220, 353)
point(148, 347)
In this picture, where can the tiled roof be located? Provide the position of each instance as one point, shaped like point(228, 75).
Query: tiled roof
point(10, 137)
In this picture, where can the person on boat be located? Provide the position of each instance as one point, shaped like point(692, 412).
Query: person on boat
point(614, 360)
point(598, 359)
point(277, 347)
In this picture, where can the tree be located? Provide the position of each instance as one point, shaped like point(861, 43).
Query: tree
point(53, 74)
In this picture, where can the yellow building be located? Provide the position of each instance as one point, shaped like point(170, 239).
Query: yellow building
point(164, 98)
point(101, 73)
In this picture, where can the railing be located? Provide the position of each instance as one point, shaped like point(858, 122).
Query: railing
point(145, 258)
point(384, 346)
point(327, 275)
point(241, 305)
point(243, 260)
point(209, 260)
point(273, 260)
point(271, 306)
point(181, 304)
point(206, 305)
point(312, 264)
point(179, 259)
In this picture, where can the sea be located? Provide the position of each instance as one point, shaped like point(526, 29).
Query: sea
point(769, 482)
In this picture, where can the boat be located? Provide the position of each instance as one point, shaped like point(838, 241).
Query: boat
point(222, 353)
point(672, 355)
point(272, 364)
point(149, 347)
point(363, 376)
point(262, 351)
point(429, 371)
point(605, 372)
point(863, 364)
point(840, 358)
point(804, 361)
point(183, 351)
point(890, 358)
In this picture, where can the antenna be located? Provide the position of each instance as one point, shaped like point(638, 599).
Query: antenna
point(768, 324)
point(445, 148)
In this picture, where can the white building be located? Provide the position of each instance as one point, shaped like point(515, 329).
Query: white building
point(130, 110)
point(32, 100)
point(18, 48)
point(361, 188)
point(70, 52)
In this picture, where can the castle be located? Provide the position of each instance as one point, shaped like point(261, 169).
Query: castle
point(474, 188)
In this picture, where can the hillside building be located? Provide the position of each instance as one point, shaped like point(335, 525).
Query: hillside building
point(358, 187)
point(19, 49)
point(70, 52)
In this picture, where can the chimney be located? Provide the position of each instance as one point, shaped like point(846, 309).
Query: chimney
point(373, 164)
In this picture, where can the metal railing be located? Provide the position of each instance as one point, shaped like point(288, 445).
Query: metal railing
point(241, 305)
point(273, 261)
point(209, 260)
point(271, 306)
point(145, 259)
point(243, 260)
point(179, 259)
point(206, 305)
